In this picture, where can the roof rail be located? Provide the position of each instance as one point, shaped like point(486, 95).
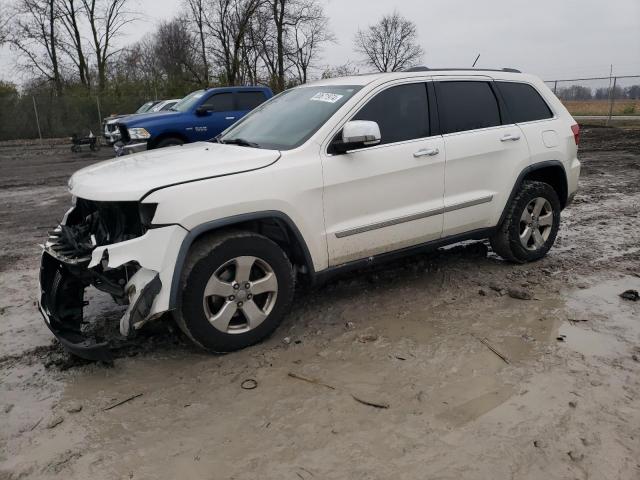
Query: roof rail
point(421, 68)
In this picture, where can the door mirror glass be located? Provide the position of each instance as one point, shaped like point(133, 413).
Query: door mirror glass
point(358, 134)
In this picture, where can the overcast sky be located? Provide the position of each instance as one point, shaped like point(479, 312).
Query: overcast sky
point(551, 38)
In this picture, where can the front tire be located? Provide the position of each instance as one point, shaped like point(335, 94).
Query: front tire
point(169, 142)
point(236, 289)
point(531, 225)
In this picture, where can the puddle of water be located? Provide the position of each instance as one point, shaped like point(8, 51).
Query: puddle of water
point(590, 342)
point(601, 305)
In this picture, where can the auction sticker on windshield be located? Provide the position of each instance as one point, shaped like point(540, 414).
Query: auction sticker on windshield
point(326, 97)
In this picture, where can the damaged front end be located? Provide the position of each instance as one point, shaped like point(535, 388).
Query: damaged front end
point(78, 254)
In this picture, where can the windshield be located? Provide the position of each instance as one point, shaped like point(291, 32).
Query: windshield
point(145, 107)
point(289, 120)
point(188, 102)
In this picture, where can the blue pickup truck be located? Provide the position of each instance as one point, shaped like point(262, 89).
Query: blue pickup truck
point(201, 115)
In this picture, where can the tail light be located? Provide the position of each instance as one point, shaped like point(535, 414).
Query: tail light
point(576, 133)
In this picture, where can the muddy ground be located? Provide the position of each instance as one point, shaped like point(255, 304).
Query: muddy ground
point(477, 384)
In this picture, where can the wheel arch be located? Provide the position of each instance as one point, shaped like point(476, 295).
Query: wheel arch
point(273, 224)
point(551, 172)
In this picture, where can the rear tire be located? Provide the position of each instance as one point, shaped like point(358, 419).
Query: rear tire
point(236, 289)
point(531, 225)
point(169, 142)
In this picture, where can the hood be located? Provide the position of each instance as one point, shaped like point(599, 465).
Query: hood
point(130, 177)
point(143, 118)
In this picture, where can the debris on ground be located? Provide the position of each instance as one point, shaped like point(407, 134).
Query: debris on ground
point(575, 456)
point(573, 404)
point(74, 408)
point(367, 337)
point(310, 380)
point(370, 403)
point(577, 320)
point(519, 294)
point(249, 384)
point(561, 338)
point(502, 356)
point(54, 422)
point(286, 340)
point(632, 295)
point(117, 404)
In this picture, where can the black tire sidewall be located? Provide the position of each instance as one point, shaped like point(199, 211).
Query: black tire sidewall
point(169, 142)
point(192, 309)
point(533, 190)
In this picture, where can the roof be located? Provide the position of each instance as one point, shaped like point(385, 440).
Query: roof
point(367, 78)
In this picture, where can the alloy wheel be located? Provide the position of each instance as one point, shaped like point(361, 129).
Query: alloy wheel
point(240, 294)
point(536, 223)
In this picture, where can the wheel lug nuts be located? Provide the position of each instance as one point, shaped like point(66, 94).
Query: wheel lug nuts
point(232, 298)
point(249, 297)
point(247, 285)
point(240, 304)
point(236, 286)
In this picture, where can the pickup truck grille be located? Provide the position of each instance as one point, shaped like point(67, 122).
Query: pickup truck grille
point(124, 134)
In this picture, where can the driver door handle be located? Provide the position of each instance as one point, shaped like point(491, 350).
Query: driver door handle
point(510, 137)
point(426, 152)
point(229, 118)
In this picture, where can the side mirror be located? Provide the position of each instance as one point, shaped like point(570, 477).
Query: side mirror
point(358, 134)
point(202, 111)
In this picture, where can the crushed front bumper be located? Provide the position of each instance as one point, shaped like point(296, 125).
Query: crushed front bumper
point(134, 146)
point(63, 282)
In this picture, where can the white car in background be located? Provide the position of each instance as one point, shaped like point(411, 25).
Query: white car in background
point(111, 132)
point(164, 105)
point(323, 178)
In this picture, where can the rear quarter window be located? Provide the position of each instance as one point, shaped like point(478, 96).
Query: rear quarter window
point(523, 102)
point(466, 105)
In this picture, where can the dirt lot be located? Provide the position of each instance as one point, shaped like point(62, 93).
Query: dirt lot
point(477, 384)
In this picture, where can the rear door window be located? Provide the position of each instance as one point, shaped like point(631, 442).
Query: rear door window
point(401, 112)
point(523, 102)
point(466, 105)
point(249, 100)
point(219, 102)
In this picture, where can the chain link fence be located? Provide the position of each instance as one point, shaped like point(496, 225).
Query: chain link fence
point(51, 116)
point(599, 96)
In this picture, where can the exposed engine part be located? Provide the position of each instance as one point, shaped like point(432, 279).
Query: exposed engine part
point(90, 224)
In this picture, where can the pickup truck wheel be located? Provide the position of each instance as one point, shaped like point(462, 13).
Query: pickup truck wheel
point(169, 142)
point(237, 288)
point(531, 224)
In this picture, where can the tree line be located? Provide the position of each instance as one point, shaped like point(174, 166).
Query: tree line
point(75, 46)
point(580, 92)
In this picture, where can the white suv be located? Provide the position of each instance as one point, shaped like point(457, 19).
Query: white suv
point(324, 177)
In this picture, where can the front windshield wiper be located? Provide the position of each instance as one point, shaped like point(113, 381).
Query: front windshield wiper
point(240, 141)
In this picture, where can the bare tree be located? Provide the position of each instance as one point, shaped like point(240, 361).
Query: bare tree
point(106, 20)
point(4, 24)
point(344, 70)
point(198, 16)
point(229, 24)
point(390, 45)
point(34, 35)
point(70, 16)
point(173, 49)
point(310, 31)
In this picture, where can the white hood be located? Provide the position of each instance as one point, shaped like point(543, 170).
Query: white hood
point(131, 177)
